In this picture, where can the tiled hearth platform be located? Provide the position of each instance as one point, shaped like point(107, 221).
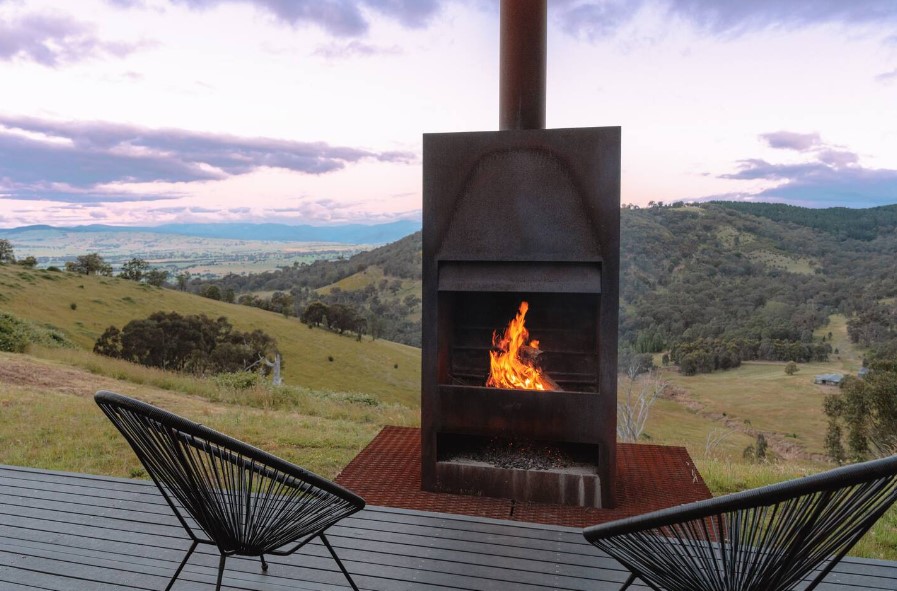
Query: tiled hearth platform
point(649, 477)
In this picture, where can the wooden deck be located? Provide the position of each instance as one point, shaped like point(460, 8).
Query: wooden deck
point(74, 532)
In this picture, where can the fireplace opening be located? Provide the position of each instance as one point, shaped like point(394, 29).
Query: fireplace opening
point(565, 326)
point(516, 453)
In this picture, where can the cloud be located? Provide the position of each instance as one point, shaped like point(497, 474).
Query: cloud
point(832, 176)
point(127, 3)
point(723, 17)
point(40, 156)
point(53, 40)
point(354, 48)
point(791, 141)
point(887, 77)
point(341, 18)
point(837, 158)
point(82, 196)
point(597, 19)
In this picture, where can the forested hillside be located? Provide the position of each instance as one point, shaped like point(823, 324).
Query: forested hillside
point(720, 283)
point(375, 292)
point(714, 284)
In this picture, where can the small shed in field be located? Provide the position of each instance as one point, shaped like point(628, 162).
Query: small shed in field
point(829, 379)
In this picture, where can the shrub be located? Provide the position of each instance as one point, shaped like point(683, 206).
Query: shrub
point(13, 334)
point(197, 344)
point(237, 380)
point(16, 334)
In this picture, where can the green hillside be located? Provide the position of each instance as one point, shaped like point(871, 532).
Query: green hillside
point(84, 306)
point(755, 279)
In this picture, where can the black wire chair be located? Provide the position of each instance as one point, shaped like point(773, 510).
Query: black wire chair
point(227, 493)
point(765, 539)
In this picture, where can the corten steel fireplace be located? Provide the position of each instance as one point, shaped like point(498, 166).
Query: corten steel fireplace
point(509, 216)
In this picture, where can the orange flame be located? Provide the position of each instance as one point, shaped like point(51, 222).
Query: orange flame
point(506, 368)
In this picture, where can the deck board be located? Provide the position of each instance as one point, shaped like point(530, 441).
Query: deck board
point(72, 532)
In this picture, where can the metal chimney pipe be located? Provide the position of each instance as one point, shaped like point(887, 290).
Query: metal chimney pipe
point(523, 41)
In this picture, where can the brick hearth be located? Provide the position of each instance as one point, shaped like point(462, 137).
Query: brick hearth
point(649, 477)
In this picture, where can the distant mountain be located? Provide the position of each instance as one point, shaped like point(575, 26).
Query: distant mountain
point(344, 234)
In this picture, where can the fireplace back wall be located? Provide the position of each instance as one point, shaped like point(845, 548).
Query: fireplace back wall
point(509, 216)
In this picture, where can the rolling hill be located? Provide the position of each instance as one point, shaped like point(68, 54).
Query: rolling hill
point(84, 306)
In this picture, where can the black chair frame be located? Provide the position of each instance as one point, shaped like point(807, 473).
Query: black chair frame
point(226, 493)
point(766, 539)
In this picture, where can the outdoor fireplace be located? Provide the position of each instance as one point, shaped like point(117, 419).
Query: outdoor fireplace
point(521, 215)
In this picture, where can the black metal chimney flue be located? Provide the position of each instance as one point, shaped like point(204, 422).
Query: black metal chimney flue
point(523, 40)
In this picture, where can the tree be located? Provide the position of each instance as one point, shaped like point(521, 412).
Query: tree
point(213, 292)
point(342, 318)
point(6, 252)
point(757, 451)
point(182, 280)
point(192, 343)
point(134, 270)
point(791, 368)
point(315, 314)
point(634, 406)
point(89, 264)
point(865, 410)
point(109, 343)
point(632, 363)
point(281, 302)
point(28, 262)
point(156, 277)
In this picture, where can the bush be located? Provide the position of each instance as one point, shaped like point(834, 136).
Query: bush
point(193, 343)
point(13, 334)
point(237, 380)
point(16, 334)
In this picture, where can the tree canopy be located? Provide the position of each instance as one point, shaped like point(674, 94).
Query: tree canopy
point(193, 343)
point(7, 255)
point(89, 264)
point(863, 414)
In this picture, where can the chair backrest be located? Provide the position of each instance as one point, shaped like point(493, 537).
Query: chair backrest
point(246, 501)
point(767, 538)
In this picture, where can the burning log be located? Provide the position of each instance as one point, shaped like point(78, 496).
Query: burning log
point(513, 362)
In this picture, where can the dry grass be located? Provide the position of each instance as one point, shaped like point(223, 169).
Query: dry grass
point(761, 396)
point(49, 420)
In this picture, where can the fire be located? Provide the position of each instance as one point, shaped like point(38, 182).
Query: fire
point(511, 363)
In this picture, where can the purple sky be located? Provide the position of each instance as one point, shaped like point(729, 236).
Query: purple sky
point(140, 112)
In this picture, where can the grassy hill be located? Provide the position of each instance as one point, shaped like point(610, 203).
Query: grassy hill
point(49, 420)
point(84, 306)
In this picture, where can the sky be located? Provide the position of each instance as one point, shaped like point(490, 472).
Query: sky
point(144, 112)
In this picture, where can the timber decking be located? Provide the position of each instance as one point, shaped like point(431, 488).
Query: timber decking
point(74, 532)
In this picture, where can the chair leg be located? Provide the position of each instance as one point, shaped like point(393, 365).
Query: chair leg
point(338, 561)
point(628, 582)
point(264, 564)
point(181, 567)
point(220, 572)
